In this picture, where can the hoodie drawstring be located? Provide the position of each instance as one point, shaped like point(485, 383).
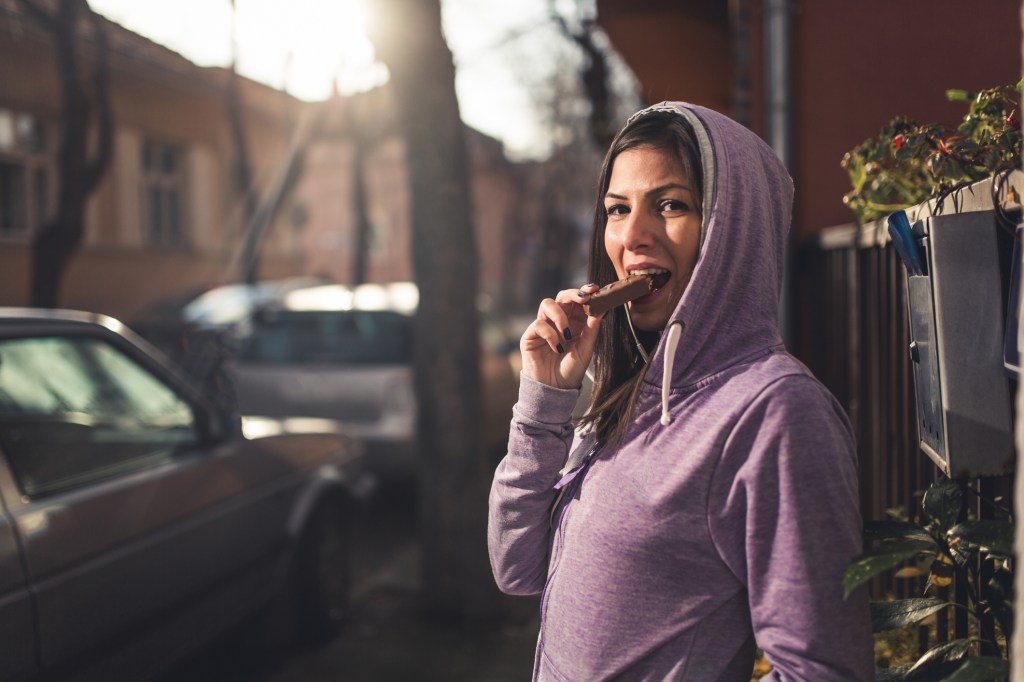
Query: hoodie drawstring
point(675, 330)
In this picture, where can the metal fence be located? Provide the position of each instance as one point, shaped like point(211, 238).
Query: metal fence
point(854, 335)
point(853, 332)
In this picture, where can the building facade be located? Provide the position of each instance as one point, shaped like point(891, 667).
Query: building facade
point(168, 219)
point(827, 74)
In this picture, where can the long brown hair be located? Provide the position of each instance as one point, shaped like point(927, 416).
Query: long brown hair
point(618, 366)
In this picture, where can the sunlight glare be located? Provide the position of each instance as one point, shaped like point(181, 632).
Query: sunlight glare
point(310, 44)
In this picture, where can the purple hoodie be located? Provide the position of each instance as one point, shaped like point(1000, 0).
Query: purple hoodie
point(727, 516)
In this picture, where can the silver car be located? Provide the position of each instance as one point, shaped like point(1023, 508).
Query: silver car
point(351, 365)
point(344, 353)
point(140, 519)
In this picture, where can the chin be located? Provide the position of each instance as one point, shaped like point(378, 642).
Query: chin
point(649, 321)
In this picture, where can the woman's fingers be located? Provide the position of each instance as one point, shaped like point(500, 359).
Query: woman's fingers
point(572, 301)
point(580, 295)
point(543, 331)
point(558, 345)
point(553, 311)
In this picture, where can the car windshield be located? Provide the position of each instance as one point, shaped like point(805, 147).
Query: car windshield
point(351, 337)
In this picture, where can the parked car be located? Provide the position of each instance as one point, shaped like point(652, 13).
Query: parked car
point(140, 520)
point(219, 311)
point(345, 353)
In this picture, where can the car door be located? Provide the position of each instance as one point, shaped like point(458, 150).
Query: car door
point(17, 625)
point(126, 514)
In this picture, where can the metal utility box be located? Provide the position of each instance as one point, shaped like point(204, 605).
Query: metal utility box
point(957, 313)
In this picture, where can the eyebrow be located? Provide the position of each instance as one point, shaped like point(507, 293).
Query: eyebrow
point(655, 190)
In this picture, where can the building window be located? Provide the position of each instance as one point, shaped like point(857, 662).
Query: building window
point(24, 174)
point(163, 182)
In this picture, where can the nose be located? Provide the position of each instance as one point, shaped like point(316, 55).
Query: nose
point(638, 231)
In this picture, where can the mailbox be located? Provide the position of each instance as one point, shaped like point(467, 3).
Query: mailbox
point(957, 305)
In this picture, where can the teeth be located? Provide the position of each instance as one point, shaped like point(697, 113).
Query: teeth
point(648, 271)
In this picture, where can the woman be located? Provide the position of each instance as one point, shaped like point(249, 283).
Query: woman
point(706, 504)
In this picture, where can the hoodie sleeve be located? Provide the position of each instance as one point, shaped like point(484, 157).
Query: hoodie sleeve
point(784, 514)
point(522, 491)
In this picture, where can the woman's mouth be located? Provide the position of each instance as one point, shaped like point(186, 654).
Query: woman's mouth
point(659, 277)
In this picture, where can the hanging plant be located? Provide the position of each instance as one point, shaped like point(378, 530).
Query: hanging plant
point(909, 162)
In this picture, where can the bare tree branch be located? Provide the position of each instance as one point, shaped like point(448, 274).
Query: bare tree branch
point(39, 14)
point(594, 76)
point(101, 98)
point(242, 167)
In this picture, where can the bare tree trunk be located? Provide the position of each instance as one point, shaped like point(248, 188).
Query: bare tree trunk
point(361, 252)
point(59, 237)
point(454, 472)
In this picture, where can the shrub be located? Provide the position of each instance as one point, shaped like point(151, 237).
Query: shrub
point(941, 548)
point(909, 162)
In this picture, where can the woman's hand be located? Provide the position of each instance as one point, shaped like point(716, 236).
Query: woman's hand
point(558, 345)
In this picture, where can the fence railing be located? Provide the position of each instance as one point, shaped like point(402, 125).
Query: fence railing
point(854, 333)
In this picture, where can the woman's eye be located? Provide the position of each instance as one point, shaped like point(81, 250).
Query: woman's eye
point(674, 206)
point(617, 209)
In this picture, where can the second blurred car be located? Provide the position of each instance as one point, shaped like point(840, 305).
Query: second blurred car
point(346, 354)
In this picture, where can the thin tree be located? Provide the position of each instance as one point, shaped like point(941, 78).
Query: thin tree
point(363, 227)
point(241, 166)
point(60, 236)
point(454, 474)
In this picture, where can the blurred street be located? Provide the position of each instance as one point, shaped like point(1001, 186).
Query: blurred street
point(387, 639)
point(253, 254)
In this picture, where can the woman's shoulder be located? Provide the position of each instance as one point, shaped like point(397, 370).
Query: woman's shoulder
point(775, 382)
point(770, 373)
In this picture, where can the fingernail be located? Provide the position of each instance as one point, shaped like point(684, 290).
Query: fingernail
point(560, 349)
point(581, 294)
point(567, 334)
point(589, 285)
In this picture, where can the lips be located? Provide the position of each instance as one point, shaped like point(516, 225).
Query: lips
point(659, 276)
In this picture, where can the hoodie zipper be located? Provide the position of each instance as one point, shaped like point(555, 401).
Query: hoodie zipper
point(569, 484)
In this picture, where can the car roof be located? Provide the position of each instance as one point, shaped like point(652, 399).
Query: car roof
point(399, 297)
point(59, 315)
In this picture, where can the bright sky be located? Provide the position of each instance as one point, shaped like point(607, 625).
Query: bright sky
point(303, 45)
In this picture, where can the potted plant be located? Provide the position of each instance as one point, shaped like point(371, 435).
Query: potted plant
point(909, 162)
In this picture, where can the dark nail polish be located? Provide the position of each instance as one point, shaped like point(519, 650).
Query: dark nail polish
point(581, 294)
point(560, 349)
point(567, 334)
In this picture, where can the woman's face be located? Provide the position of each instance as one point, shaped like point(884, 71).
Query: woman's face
point(653, 228)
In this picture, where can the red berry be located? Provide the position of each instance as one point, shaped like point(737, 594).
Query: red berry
point(898, 141)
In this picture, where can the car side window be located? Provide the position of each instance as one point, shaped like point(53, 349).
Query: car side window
point(74, 410)
point(350, 337)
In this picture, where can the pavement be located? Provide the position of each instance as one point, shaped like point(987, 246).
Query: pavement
point(391, 639)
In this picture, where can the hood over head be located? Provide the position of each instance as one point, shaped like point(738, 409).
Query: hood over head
point(730, 308)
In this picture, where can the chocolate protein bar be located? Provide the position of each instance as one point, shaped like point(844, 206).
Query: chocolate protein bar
point(617, 293)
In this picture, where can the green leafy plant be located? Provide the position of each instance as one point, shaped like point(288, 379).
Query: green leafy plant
point(909, 162)
point(942, 548)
